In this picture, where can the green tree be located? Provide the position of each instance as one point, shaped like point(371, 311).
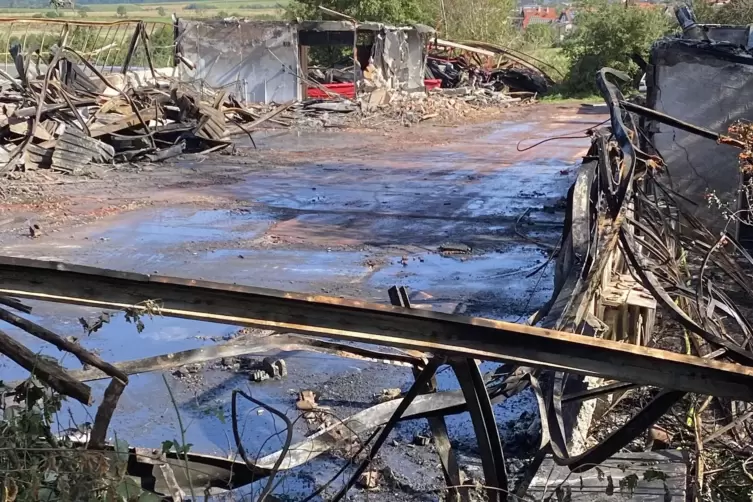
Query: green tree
point(161, 11)
point(483, 20)
point(83, 11)
point(121, 11)
point(609, 34)
point(385, 11)
point(738, 12)
point(539, 35)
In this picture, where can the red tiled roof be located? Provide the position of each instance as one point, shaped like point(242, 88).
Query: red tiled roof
point(538, 14)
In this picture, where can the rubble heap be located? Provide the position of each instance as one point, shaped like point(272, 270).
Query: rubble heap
point(382, 107)
point(74, 116)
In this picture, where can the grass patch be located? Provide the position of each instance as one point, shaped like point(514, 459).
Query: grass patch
point(557, 97)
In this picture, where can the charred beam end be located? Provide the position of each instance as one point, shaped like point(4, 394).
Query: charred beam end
point(376, 324)
point(15, 304)
point(48, 336)
point(49, 373)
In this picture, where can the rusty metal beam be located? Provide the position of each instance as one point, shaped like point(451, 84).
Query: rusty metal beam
point(352, 320)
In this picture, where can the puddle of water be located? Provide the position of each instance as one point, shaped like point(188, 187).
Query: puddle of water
point(173, 226)
point(430, 196)
point(117, 340)
point(506, 129)
point(146, 416)
point(294, 270)
point(510, 191)
point(297, 140)
point(459, 277)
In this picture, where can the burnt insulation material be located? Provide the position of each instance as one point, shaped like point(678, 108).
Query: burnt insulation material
point(709, 84)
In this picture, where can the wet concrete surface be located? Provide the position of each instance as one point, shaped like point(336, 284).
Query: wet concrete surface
point(343, 225)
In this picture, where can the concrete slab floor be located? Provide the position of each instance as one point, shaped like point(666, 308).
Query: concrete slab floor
point(349, 218)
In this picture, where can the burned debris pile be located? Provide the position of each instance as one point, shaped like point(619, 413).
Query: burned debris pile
point(485, 66)
point(63, 110)
point(75, 116)
point(382, 108)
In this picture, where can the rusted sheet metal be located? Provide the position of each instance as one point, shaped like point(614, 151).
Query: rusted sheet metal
point(372, 323)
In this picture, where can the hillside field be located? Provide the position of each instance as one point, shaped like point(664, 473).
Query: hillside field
point(256, 9)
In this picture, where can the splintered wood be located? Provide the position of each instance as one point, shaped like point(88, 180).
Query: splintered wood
point(74, 116)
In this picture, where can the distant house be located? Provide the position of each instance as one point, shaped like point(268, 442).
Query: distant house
point(536, 14)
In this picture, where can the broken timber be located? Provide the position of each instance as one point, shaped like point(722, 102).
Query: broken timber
point(375, 324)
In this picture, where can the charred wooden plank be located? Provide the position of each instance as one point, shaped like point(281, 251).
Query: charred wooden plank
point(48, 372)
point(36, 157)
point(74, 149)
point(48, 336)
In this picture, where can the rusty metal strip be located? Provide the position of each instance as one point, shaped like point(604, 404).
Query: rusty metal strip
point(370, 323)
point(72, 22)
point(107, 37)
point(485, 427)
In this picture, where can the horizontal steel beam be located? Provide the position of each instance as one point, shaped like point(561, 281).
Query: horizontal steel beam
point(373, 323)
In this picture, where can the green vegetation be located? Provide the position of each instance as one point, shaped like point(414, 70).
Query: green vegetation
point(37, 465)
point(609, 34)
point(153, 10)
point(199, 6)
point(387, 11)
point(487, 20)
point(739, 12)
point(540, 35)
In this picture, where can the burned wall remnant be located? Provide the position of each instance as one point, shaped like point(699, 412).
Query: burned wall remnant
point(400, 55)
point(257, 61)
point(707, 83)
point(397, 53)
point(261, 61)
